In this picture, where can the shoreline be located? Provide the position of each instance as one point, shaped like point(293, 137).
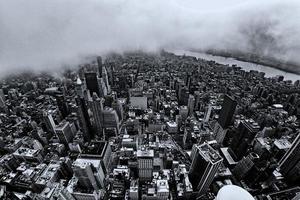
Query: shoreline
point(268, 62)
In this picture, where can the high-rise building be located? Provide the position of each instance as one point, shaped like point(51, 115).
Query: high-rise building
point(289, 165)
point(117, 106)
point(183, 95)
point(64, 132)
point(62, 105)
point(79, 87)
point(110, 119)
point(227, 111)
point(105, 79)
point(100, 65)
point(145, 163)
point(243, 137)
point(86, 170)
point(205, 164)
point(92, 83)
point(2, 99)
point(84, 119)
point(244, 165)
point(49, 122)
point(191, 104)
point(96, 106)
point(98, 150)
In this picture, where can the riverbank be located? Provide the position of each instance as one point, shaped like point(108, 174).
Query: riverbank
point(289, 67)
point(247, 66)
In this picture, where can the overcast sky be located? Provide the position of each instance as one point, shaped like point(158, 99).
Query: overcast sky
point(37, 34)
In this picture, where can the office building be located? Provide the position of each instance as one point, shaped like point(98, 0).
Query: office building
point(89, 173)
point(245, 165)
point(84, 119)
point(92, 83)
point(227, 111)
point(289, 165)
point(205, 164)
point(244, 135)
point(191, 104)
point(145, 163)
point(64, 133)
point(49, 122)
point(96, 106)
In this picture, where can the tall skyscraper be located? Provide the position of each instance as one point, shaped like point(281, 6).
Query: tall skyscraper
point(191, 104)
point(79, 87)
point(2, 100)
point(62, 105)
point(226, 114)
point(105, 80)
point(84, 119)
point(243, 137)
point(99, 61)
point(96, 106)
point(289, 165)
point(64, 132)
point(87, 172)
point(92, 83)
point(49, 122)
point(111, 119)
point(205, 164)
point(244, 165)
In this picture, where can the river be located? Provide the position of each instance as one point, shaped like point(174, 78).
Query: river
point(247, 66)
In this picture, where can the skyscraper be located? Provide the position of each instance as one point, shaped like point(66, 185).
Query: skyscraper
point(87, 172)
point(49, 122)
point(79, 87)
point(205, 164)
point(64, 132)
point(244, 136)
point(96, 106)
point(84, 119)
point(227, 111)
point(289, 165)
point(99, 61)
point(111, 119)
point(92, 83)
point(62, 105)
point(2, 99)
point(244, 165)
point(191, 104)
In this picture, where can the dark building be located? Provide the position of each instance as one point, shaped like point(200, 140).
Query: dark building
point(99, 61)
point(205, 164)
point(243, 137)
point(289, 165)
point(84, 119)
point(62, 105)
point(92, 83)
point(96, 106)
point(226, 114)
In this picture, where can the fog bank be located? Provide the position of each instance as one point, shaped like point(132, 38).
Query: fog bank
point(46, 35)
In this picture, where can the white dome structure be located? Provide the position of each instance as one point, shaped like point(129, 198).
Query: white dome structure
point(233, 192)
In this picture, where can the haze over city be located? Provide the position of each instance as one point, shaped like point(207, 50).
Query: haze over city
point(46, 35)
point(150, 100)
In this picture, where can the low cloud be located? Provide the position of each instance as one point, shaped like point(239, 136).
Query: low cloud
point(46, 35)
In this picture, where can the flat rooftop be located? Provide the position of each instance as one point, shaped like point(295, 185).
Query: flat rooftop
point(145, 153)
point(209, 153)
point(95, 149)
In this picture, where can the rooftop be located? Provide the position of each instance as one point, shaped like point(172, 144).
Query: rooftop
point(209, 153)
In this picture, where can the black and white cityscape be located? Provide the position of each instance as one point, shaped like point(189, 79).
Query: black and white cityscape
point(156, 109)
point(150, 126)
